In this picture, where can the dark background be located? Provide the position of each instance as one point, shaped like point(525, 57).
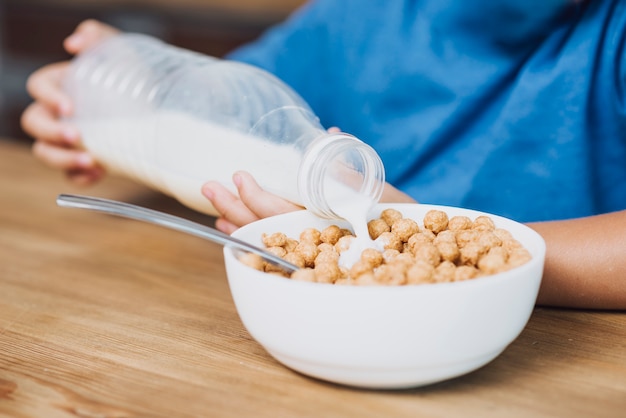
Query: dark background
point(32, 32)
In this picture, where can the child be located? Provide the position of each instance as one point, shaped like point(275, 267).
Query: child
point(509, 107)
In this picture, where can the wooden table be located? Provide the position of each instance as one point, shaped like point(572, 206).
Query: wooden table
point(106, 317)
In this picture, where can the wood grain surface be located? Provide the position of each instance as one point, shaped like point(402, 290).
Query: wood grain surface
point(107, 317)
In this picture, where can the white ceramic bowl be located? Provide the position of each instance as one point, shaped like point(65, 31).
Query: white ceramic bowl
point(384, 336)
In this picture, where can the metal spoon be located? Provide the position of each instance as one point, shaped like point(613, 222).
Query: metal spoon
point(169, 221)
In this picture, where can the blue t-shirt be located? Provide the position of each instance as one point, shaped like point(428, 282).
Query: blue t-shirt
point(512, 107)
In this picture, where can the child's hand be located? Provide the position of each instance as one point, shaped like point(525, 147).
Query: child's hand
point(57, 142)
point(254, 203)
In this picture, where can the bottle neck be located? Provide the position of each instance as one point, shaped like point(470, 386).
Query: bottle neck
point(339, 171)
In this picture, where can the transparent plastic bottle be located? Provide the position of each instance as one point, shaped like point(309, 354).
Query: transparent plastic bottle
point(173, 119)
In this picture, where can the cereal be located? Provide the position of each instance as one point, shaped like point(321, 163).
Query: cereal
point(404, 228)
point(290, 245)
point(311, 235)
point(445, 236)
point(327, 257)
point(344, 243)
point(465, 273)
point(389, 240)
point(416, 240)
point(492, 262)
point(420, 272)
point(390, 274)
point(277, 239)
point(376, 227)
point(444, 272)
point(277, 251)
point(483, 223)
point(359, 268)
point(295, 258)
point(372, 256)
point(457, 223)
point(308, 251)
point(327, 272)
point(471, 252)
point(252, 260)
point(448, 250)
point(305, 275)
point(390, 216)
point(331, 234)
point(427, 252)
point(436, 220)
point(440, 250)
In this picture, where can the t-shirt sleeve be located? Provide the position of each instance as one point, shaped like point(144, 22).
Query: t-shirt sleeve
point(294, 50)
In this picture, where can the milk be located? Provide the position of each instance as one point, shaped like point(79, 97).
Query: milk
point(177, 154)
point(354, 208)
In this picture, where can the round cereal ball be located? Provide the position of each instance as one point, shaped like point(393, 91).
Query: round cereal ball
point(324, 246)
point(277, 239)
point(465, 273)
point(366, 279)
point(277, 251)
point(436, 220)
point(448, 250)
point(390, 274)
point(430, 235)
point(290, 245)
point(327, 272)
point(390, 254)
point(420, 272)
point(327, 257)
point(295, 258)
point(304, 275)
point(331, 234)
point(471, 252)
point(344, 243)
point(389, 240)
point(376, 227)
point(311, 235)
point(503, 234)
point(372, 256)
point(252, 260)
point(483, 223)
point(308, 251)
point(445, 236)
point(489, 239)
point(427, 252)
point(444, 272)
point(404, 228)
point(491, 263)
point(457, 223)
point(465, 236)
point(404, 260)
point(359, 268)
point(518, 256)
point(417, 240)
point(390, 216)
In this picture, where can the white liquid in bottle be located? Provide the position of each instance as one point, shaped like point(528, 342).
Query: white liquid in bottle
point(188, 153)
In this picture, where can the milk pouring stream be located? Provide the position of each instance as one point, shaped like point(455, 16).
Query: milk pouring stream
point(173, 119)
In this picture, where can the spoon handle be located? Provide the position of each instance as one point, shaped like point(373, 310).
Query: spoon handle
point(139, 213)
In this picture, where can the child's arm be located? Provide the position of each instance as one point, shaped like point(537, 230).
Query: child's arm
point(585, 262)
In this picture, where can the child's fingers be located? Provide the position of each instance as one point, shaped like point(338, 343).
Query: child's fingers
point(262, 203)
point(41, 123)
point(87, 34)
point(44, 86)
point(65, 159)
point(229, 206)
